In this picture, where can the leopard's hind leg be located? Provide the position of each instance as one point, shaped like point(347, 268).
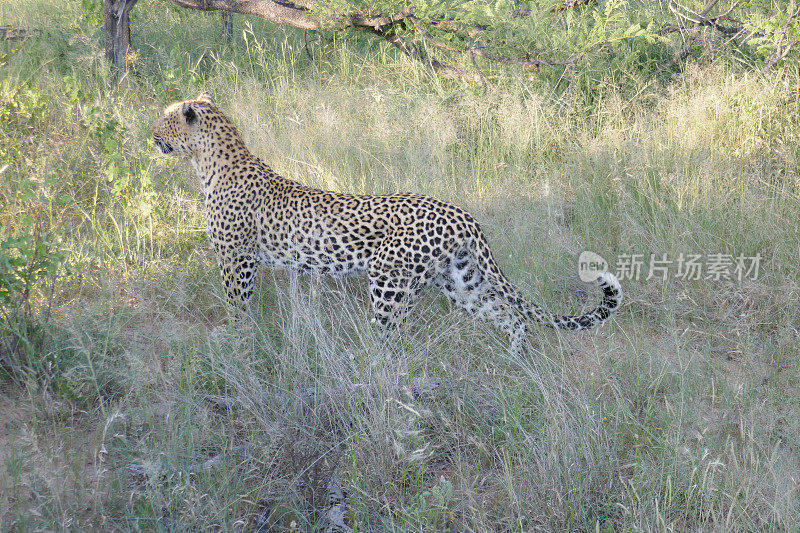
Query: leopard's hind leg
point(395, 282)
point(468, 287)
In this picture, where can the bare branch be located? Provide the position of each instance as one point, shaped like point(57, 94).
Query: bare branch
point(699, 20)
point(17, 33)
point(381, 21)
point(478, 70)
point(430, 38)
point(298, 15)
point(280, 13)
point(702, 18)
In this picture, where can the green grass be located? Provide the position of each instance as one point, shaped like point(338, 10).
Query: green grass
point(681, 413)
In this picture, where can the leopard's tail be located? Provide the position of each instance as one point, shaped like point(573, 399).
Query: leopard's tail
point(612, 298)
point(608, 282)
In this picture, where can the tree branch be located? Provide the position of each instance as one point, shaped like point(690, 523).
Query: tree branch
point(783, 50)
point(17, 33)
point(472, 51)
point(446, 71)
point(297, 15)
point(280, 13)
point(699, 20)
point(702, 18)
point(569, 4)
point(478, 70)
point(472, 42)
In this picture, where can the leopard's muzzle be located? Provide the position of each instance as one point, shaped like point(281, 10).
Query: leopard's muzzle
point(163, 147)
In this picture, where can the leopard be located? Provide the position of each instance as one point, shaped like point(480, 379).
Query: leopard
point(403, 242)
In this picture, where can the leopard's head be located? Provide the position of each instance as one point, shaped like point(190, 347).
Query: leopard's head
point(183, 125)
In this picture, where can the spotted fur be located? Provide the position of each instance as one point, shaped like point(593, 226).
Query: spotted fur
point(403, 242)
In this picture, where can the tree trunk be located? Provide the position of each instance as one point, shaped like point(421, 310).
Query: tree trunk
point(118, 31)
point(226, 32)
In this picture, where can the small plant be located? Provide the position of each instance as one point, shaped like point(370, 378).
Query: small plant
point(29, 264)
point(440, 502)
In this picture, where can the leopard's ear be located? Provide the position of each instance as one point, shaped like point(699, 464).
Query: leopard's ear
point(205, 97)
point(189, 113)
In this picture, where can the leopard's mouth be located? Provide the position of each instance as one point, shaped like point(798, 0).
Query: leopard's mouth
point(163, 147)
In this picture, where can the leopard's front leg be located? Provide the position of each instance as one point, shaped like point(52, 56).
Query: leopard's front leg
point(238, 271)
